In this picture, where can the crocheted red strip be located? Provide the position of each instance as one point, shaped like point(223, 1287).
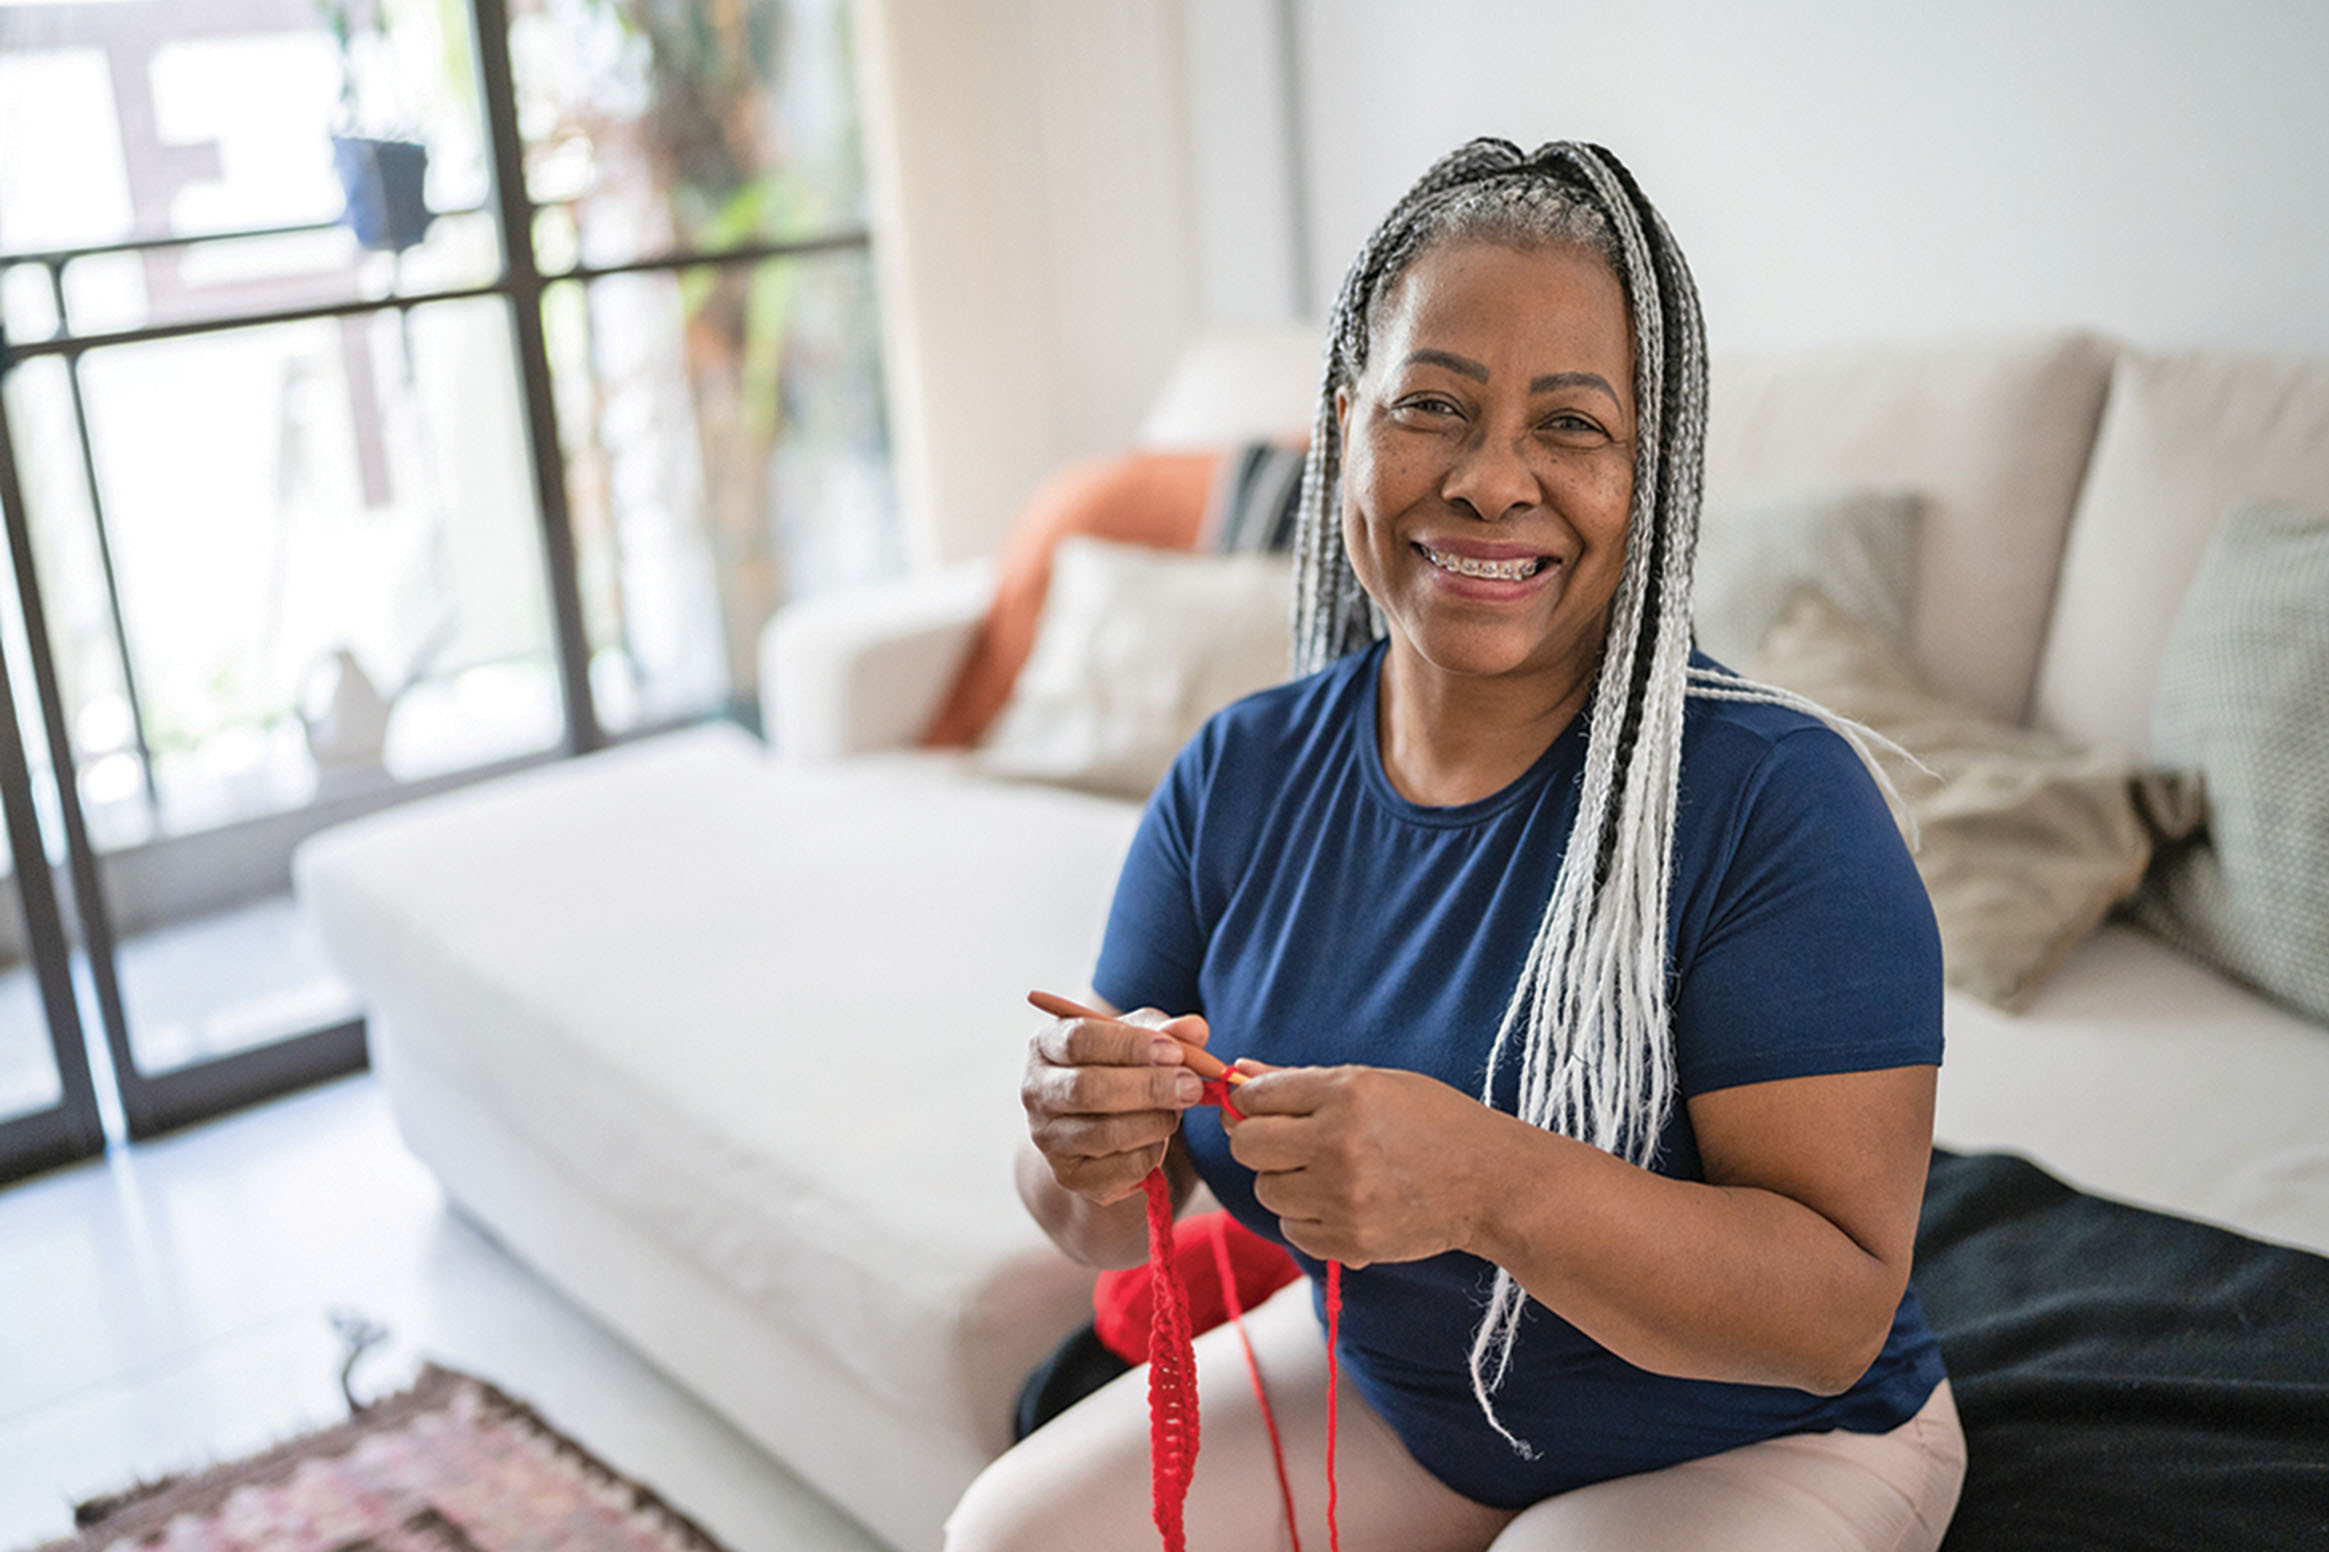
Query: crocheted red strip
point(1172, 1370)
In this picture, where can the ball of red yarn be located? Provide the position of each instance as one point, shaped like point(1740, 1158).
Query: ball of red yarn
point(1123, 1301)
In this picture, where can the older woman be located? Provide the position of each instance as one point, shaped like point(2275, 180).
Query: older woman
point(1592, 1000)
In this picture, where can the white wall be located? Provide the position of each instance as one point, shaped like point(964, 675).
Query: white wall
point(1068, 190)
point(1838, 170)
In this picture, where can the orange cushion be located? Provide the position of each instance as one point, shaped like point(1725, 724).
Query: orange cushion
point(1156, 499)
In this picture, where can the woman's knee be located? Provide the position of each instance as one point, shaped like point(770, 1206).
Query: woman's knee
point(997, 1514)
point(1024, 1502)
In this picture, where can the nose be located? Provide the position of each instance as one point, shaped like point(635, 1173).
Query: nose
point(1492, 476)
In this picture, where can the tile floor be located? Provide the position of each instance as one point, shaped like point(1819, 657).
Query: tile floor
point(170, 1305)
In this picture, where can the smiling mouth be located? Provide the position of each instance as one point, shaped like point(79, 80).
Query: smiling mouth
point(1517, 570)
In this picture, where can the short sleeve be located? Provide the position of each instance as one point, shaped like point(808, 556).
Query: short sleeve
point(1814, 949)
point(1154, 947)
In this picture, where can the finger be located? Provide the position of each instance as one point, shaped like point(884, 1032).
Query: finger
point(1283, 1090)
point(1105, 1043)
point(1310, 1224)
point(1272, 1143)
point(1052, 1090)
point(1091, 1138)
point(1189, 1029)
point(1106, 1180)
point(1288, 1196)
point(1317, 1241)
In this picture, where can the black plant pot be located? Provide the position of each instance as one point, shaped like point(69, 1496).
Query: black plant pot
point(383, 180)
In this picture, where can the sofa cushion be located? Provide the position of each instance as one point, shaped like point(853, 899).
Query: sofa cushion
point(1137, 648)
point(1857, 548)
point(2186, 439)
point(2142, 1074)
point(2025, 840)
point(2244, 700)
point(1153, 498)
point(1993, 434)
point(706, 985)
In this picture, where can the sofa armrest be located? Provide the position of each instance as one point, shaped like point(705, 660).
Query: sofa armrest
point(862, 669)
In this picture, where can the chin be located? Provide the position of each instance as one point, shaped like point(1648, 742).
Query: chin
point(1477, 654)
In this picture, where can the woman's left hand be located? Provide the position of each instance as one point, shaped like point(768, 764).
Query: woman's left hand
point(1361, 1164)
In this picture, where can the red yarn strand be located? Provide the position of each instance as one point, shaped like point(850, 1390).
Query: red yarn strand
point(1333, 1385)
point(1261, 1393)
point(1172, 1369)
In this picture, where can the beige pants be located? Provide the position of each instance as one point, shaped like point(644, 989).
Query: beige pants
point(1081, 1484)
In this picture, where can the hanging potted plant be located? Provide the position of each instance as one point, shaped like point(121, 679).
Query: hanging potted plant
point(383, 174)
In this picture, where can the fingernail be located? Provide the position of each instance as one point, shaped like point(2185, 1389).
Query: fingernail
point(1187, 1088)
point(1163, 1051)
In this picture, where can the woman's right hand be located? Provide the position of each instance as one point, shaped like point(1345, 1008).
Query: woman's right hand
point(1104, 1098)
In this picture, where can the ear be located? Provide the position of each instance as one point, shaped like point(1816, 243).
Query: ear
point(1342, 414)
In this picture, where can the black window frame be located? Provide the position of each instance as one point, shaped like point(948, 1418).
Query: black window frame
point(152, 1103)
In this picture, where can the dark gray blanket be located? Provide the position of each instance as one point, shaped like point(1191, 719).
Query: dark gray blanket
point(2127, 1379)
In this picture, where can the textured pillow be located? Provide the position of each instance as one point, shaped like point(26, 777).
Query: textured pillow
point(1858, 547)
point(2026, 840)
point(2243, 698)
point(1138, 498)
point(1136, 649)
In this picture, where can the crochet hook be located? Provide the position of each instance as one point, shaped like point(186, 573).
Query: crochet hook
point(1200, 1061)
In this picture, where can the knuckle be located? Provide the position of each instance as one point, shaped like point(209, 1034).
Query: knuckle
point(1140, 1129)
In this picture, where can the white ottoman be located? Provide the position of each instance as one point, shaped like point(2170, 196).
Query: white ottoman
point(727, 1049)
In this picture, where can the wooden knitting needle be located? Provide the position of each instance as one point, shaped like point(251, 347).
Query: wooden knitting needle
point(1200, 1061)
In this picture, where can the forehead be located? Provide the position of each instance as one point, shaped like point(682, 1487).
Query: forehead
point(1540, 298)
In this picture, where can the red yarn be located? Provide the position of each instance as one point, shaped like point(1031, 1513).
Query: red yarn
point(1253, 1372)
point(1172, 1374)
point(1333, 1376)
point(1172, 1369)
point(1124, 1298)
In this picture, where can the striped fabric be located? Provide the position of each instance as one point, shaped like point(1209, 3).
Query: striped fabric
point(1256, 499)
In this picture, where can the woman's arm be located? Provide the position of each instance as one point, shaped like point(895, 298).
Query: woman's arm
point(1783, 1268)
point(1104, 1102)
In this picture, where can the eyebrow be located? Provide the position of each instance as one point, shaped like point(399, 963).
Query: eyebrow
point(1464, 366)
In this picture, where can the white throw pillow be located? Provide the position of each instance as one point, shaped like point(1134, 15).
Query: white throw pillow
point(1136, 648)
point(1857, 547)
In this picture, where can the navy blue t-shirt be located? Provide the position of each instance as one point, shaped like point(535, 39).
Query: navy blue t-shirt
point(1279, 885)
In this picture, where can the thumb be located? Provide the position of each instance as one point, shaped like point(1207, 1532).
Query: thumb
point(1189, 1029)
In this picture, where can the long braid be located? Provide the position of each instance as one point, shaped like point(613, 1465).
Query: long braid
point(1588, 1015)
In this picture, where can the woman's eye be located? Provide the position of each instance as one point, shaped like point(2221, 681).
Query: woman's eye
point(1571, 425)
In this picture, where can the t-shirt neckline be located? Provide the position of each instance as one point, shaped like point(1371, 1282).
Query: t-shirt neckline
point(1369, 753)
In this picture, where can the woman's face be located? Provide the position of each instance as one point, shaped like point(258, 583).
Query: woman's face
point(1489, 453)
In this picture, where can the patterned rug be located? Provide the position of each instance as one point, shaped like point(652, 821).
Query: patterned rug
point(451, 1465)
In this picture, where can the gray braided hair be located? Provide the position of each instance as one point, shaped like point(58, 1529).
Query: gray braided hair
point(1588, 1016)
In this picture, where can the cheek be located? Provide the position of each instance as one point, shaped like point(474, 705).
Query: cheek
point(1604, 504)
point(1380, 482)
point(1356, 544)
point(1369, 501)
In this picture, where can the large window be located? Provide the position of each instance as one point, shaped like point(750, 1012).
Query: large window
point(395, 392)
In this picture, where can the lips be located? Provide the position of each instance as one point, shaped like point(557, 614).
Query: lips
point(1501, 565)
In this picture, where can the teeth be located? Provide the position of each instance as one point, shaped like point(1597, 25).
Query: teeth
point(1496, 570)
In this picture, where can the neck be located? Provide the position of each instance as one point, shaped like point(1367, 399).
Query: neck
point(1456, 738)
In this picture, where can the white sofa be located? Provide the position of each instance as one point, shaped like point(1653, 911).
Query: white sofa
point(724, 1040)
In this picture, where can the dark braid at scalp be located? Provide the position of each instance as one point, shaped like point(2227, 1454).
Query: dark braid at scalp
point(1588, 1017)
